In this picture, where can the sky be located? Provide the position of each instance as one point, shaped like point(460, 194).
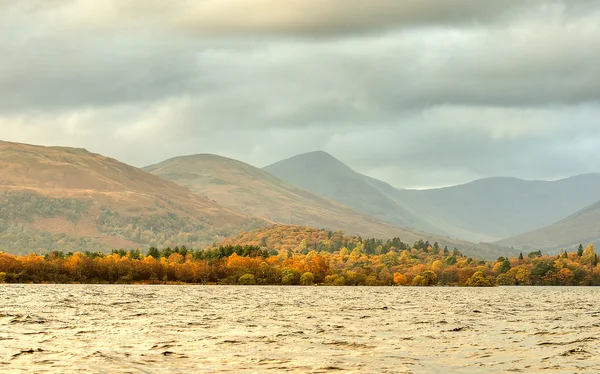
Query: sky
point(418, 93)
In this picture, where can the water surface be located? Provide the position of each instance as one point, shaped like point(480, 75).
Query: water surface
point(146, 329)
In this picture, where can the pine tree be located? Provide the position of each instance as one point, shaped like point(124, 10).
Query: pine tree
point(505, 266)
point(153, 251)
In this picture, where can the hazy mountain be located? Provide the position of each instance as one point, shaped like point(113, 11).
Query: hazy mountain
point(325, 175)
point(495, 208)
point(582, 227)
point(482, 211)
point(248, 189)
point(70, 199)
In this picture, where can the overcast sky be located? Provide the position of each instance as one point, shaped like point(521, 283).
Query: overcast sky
point(419, 93)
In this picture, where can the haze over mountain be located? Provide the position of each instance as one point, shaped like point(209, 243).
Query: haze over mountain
point(70, 199)
point(582, 227)
point(484, 210)
point(495, 208)
point(251, 190)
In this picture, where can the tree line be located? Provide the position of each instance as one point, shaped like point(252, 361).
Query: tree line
point(295, 259)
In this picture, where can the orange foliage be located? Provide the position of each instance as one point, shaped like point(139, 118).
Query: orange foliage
point(294, 255)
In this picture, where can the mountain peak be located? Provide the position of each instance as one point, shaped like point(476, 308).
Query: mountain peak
point(318, 153)
point(195, 158)
point(317, 161)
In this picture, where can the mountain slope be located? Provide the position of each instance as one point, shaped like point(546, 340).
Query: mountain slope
point(325, 175)
point(253, 191)
point(582, 227)
point(71, 199)
point(495, 208)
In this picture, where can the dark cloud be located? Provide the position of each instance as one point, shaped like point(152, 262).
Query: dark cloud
point(419, 93)
point(342, 17)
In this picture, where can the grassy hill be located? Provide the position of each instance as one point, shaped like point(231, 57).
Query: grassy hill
point(57, 198)
point(582, 227)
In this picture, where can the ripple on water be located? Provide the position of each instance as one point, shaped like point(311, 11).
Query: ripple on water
point(70, 328)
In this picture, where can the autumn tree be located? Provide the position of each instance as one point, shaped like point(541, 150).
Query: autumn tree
point(307, 279)
point(479, 279)
point(588, 256)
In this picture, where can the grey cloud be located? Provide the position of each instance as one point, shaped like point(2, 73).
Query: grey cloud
point(455, 146)
point(301, 17)
point(291, 17)
point(341, 17)
point(327, 81)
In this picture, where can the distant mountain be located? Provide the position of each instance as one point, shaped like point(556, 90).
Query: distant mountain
point(495, 208)
point(486, 210)
point(253, 191)
point(57, 198)
point(325, 175)
point(582, 227)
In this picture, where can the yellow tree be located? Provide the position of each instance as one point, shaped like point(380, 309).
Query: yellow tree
point(589, 256)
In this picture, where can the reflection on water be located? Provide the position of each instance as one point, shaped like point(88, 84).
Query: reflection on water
point(131, 329)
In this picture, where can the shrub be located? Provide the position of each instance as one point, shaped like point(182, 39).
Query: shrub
point(307, 279)
point(247, 279)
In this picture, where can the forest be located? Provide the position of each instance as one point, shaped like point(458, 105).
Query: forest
point(20, 210)
point(292, 255)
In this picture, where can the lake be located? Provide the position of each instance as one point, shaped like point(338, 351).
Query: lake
point(182, 329)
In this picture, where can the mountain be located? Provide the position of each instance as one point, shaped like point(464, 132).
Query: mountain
point(253, 191)
point(58, 198)
point(582, 227)
point(256, 192)
point(325, 175)
point(495, 208)
point(485, 210)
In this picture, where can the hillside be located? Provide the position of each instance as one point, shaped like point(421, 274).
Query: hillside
point(295, 239)
point(325, 175)
point(253, 191)
point(71, 199)
point(580, 228)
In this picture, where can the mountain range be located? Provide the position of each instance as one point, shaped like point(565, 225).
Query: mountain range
point(59, 198)
point(486, 210)
point(250, 190)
